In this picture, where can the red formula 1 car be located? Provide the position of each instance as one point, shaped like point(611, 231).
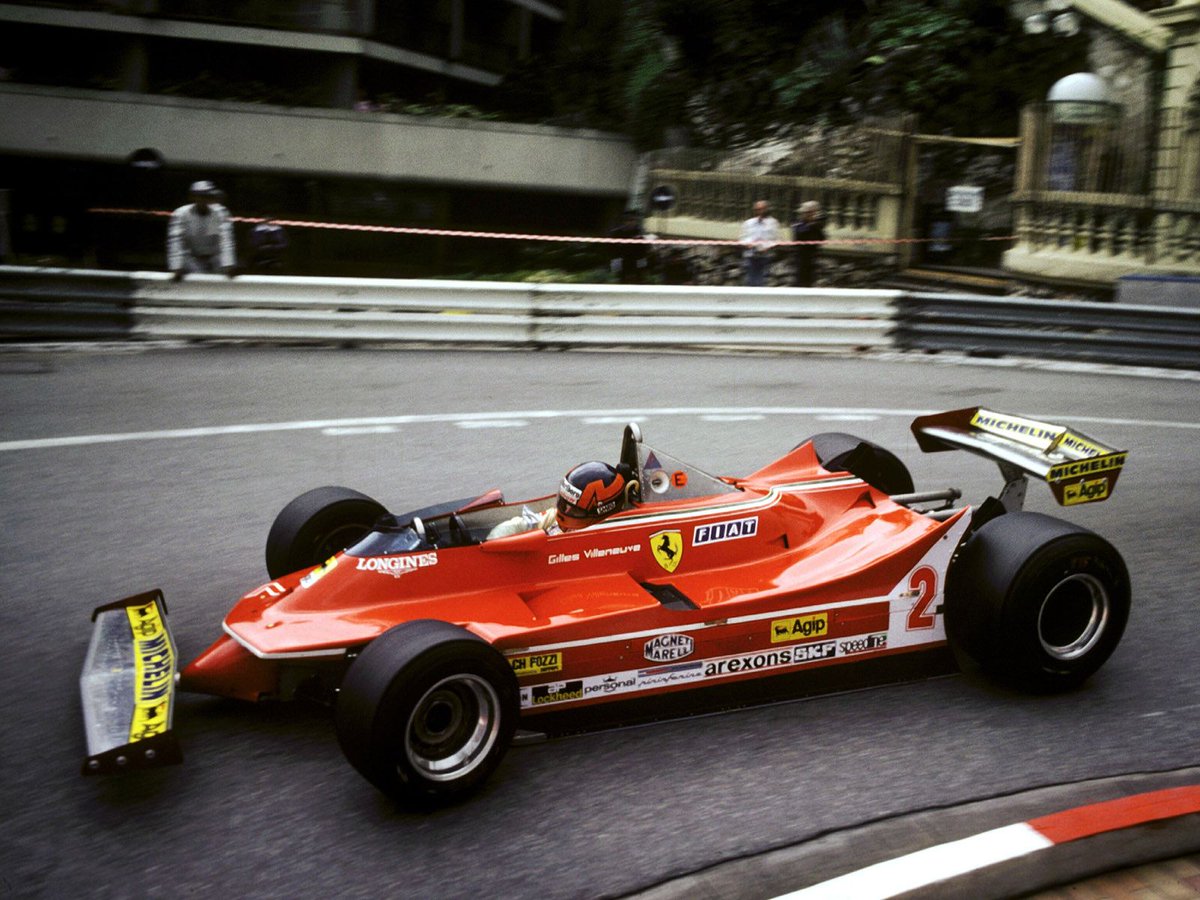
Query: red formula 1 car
point(822, 570)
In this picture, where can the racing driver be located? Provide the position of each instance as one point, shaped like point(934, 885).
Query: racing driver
point(589, 492)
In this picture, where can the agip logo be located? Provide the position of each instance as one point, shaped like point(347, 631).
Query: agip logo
point(799, 628)
point(667, 547)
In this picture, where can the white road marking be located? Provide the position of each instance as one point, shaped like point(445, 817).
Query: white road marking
point(363, 429)
point(492, 423)
point(929, 866)
point(522, 417)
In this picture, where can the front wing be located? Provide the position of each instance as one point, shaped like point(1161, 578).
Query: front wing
point(128, 687)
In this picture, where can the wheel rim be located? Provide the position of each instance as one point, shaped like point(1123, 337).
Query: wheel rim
point(453, 727)
point(1073, 617)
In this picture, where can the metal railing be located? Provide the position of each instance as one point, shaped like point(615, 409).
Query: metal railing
point(60, 304)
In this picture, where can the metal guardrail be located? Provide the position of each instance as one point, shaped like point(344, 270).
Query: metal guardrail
point(58, 304)
point(1049, 329)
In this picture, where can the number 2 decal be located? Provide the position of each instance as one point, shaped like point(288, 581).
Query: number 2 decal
point(923, 584)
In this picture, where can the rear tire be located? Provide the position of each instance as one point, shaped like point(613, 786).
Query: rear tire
point(426, 712)
point(1037, 602)
point(316, 525)
point(875, 465)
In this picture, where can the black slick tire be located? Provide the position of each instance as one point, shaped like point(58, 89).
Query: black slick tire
point(316, 525)
point(1038, 602)
point(426, 712)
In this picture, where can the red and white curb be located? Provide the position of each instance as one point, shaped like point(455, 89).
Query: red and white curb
point(927, 867)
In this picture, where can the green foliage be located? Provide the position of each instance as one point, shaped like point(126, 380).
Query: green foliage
point(737, 70)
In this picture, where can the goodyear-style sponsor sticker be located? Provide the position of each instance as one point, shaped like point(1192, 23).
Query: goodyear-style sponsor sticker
point(536, 663)
point(799, 628)
point(154, 668)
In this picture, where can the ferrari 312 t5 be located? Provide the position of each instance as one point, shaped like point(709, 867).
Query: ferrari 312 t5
point(438, 642)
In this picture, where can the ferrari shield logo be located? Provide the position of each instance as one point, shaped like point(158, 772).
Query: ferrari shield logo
point(667, 547)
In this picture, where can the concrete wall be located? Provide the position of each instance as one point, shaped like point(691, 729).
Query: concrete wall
point(109, 126)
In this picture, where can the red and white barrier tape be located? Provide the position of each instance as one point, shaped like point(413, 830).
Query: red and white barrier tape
point(508, 236)
point(934, 864)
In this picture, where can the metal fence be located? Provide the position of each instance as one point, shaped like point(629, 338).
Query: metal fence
point(59, 304)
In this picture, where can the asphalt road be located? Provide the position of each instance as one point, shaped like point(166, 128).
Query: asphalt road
point(265, 805)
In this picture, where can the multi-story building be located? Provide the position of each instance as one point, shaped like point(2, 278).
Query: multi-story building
point(338, 111)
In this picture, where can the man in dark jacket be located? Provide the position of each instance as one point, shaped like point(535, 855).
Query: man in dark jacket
point(810, 226)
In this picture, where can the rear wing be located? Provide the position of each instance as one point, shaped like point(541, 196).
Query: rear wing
point(1078, 468)
point(128, 687)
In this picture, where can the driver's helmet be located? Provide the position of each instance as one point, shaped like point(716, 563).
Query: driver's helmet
point(588, 493)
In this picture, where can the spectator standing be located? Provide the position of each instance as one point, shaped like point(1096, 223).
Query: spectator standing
point(759, 235)
point(630, 262)
point(200, 234)
point(809, 226)
point(268, 244)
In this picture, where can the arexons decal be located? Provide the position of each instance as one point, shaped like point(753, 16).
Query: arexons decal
point(668, 647)
point(799, 628)
point(396, 565)
point(724, 531)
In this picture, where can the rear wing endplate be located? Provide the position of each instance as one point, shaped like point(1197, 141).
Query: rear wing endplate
point(1078, 468)
point(128, 687)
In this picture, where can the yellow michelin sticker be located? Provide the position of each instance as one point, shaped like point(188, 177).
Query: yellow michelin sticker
point(154, 670)
point(1093, 465)
point(536, 663)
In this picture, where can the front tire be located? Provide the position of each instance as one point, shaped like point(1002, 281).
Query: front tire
point(426, 712)
point(316, 525)
point(1038, 602)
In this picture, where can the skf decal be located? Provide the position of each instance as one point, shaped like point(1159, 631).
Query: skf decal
point(1085, 491)
point(668, 647)
point(557, 692)
point(319, 572)
point(863, 644)
point(154, 666)
point(724, 531)
point(667, 547)
point(799, 628)
point(536, 663)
